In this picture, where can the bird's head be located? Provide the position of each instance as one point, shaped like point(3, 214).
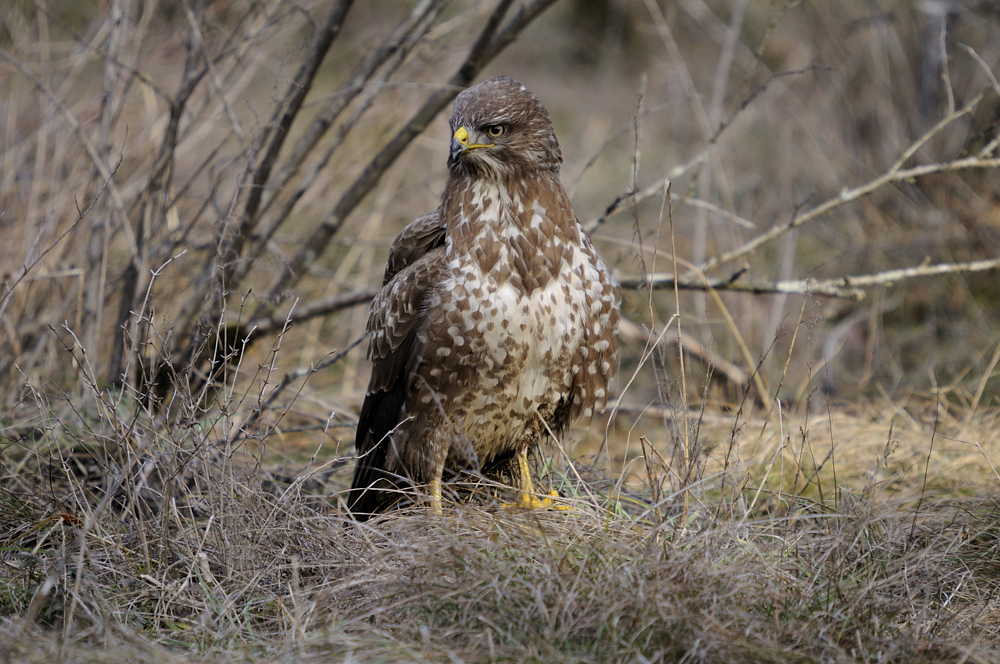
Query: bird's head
point(500, 129)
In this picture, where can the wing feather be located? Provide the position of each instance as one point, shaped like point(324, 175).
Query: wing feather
point(421, 236)
point(415, 267)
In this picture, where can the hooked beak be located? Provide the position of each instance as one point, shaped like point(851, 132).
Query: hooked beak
point(460, 144)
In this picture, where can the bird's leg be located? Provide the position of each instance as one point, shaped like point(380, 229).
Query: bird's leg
point(433, 470)
point(528, 498)
point(436, 490)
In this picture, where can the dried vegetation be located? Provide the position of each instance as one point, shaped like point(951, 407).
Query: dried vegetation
point(195, 200)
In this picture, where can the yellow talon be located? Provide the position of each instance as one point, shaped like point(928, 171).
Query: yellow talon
point(550, 503)
point(529, 500)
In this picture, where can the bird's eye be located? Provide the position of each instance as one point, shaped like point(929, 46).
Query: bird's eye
point(496, 130)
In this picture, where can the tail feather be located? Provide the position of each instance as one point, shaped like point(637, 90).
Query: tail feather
point(372, 483)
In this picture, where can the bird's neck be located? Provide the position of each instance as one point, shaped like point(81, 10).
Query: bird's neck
point(477, 207)
point(512, 230)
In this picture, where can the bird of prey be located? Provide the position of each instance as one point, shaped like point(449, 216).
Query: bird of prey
point(496, 321)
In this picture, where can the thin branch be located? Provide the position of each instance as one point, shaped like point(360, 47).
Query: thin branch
point(692, 346)
point(406, 35)
point(322, 307)
point(890, 277)
point(256, 414)
point(987, 149)
point(28, 267)
point(196, 44)
point(395, 47)
point(103, 169)
point(274, 137)
point(487, 46)
point(718, 211)
point(623, 201)
point(102, 53)
point(269, 144)
point(152, 201)
point(894, 174)
point(207, 300)
point(848, 287)
point(665, 280)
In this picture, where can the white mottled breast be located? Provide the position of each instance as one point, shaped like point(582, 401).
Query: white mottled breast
point(507, 352)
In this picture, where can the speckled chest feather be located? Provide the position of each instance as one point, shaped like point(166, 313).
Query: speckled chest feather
point(522, 323)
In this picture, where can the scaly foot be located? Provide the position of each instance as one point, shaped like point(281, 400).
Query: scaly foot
point(529, 501)
point(436, 496)
point(528, 498)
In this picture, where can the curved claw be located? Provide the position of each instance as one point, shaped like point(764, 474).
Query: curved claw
point(529, 501)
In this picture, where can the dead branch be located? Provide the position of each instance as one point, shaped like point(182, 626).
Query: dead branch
point(889, 277)
point(287, 380)
point(152, 204)
point(321, 307)
point(692, 346)
point(490, 43)
point(895, 174)
point(624, 201)
point(716, 210)
point(103, 168)
point(28, 267)
point(843, 287)
point(664, 280)
point(395, 47)
point(269, 144)
point(847, 287)
point(406, 35)
point(277, 130)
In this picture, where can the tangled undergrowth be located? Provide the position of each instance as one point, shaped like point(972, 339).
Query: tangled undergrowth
point(167, 540)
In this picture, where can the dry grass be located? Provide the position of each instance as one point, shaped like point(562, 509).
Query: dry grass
point(171, 463)
point(176, 543)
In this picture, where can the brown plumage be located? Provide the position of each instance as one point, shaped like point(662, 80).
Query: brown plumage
point(496, 320)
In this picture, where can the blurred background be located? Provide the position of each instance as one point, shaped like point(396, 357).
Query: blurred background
point(170, 227)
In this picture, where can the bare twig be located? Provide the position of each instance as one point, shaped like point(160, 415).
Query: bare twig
point(277, 132)
point(715, 209)
point(232, 238)
point(322, 307)
point(27, 267)
point(890, 277)
point(103, 168)
point(288, 379)
point(406, 35)
point(152, 202)
point(895, 174)
point(96, 273)
point(623, 201)
point(848, 288)
point(490, 43)
point(632, 332)
point(988, 149)
point(661, 281)
point(394, 49)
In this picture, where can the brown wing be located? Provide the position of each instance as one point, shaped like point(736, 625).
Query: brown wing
point(421, 236)
point(393, 322)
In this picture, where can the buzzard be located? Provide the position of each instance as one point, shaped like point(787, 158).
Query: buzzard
point(496, 320)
